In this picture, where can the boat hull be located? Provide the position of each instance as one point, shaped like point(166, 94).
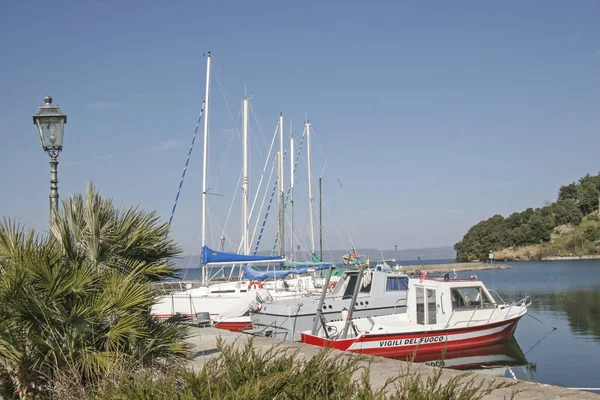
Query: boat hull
point(235, 324)
point(396, 344)
point(286, 320)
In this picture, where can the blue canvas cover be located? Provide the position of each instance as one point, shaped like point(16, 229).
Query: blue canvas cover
point(215, 257)
point(253, 274)
point(305, 265)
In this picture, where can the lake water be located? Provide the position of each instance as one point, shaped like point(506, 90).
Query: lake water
point(566, 296)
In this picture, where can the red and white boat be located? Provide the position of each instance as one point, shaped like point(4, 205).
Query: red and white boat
point(442, 315)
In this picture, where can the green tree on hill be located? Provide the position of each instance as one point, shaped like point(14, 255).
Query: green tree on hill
point(529, 227)
point(567, 212)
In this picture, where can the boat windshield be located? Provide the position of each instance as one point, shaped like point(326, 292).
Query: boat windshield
point(469, 297)
point(499, 300)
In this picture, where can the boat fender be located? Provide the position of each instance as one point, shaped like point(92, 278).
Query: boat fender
point(255, 284)
point(331, 287)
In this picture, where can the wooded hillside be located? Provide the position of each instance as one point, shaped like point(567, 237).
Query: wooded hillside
point(532, 227)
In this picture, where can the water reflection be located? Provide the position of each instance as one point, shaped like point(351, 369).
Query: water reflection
point(580, 306)
point(493, 359)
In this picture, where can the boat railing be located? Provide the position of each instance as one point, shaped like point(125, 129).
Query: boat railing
point(273, 327)
point(524, 302)
point(472, 319)
point(396, 305)
point(189, 296)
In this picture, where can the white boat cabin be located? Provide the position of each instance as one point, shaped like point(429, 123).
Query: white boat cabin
point(438, 304)
point(375, 283)
point(451, 302)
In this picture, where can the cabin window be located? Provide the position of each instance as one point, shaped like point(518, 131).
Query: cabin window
point(350, 287)
point(426, 306)
point(469, 297)
point(431, 306)
point(223, 291)
point(420, 306)
point(395, 283)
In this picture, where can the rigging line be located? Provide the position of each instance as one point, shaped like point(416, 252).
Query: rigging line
point(234, 120)
point(239, 181)
point(223, 162)
point(300, 240)
point(316, 136)
point(287, 196)
point(266, 215)
point(284, 204)
point(329, 218)
point(323, 170)
point(262, 206)
point(263, 171)
point(187, 161)
point(187, 268)
point(216, 69)
point(352, 227)
point(260, 129)
point(233, 133)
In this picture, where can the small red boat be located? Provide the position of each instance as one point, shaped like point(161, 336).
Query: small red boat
point(234, 324)
point(442, 315)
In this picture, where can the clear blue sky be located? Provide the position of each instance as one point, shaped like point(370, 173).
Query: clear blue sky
point(433, 115)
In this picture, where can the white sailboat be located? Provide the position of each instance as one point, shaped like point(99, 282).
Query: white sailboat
point(223, 300)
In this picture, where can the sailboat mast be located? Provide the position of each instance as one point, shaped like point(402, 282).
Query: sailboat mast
point(205, 163)
point(281, 189)
point(245, 197)
point(310, 196)
point(320, 218)
point(292, 187)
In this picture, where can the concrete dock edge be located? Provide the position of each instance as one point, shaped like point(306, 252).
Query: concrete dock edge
point(204, 341)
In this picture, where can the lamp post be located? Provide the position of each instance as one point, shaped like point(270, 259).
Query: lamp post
point(50, 123)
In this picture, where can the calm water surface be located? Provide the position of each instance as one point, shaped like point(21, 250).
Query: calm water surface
point(566, 296)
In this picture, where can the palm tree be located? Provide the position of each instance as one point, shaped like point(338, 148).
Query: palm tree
point(76, 303)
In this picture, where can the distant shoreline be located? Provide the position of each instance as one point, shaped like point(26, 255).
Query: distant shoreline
point(450, 267)
point(567, 258)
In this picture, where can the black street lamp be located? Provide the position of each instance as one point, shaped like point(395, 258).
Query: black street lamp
point(51, 124)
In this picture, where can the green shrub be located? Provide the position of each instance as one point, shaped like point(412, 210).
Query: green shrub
point(279, 374)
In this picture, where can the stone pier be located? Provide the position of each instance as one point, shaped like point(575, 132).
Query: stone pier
point(204, 341)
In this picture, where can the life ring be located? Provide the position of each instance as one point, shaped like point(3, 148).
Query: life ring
point(331, 287)
point(255, 284)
